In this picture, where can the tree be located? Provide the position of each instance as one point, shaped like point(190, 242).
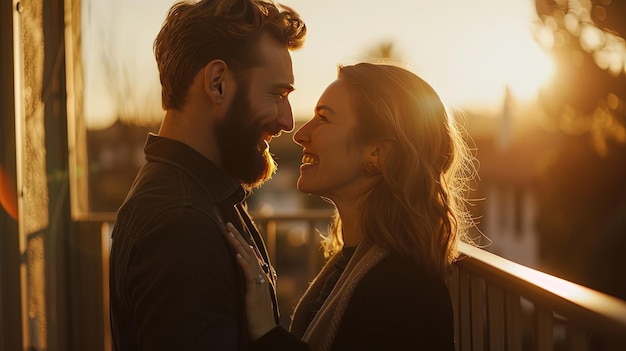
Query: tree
point(582, 214)
point(586, 39)
point(582, 193)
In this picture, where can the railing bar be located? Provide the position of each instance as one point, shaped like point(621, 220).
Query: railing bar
point(270, 234)
point(544, 329)
point(465, 310)
point(310, 215)
point(513, 323)
point(312, 244)
point(593, 310)
point(495, 310)
point(478, 312)
point(106, 228)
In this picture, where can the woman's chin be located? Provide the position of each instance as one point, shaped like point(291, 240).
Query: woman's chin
point(303, 187)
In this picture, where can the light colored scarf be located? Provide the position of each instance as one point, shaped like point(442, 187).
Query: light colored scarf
point(320, 333)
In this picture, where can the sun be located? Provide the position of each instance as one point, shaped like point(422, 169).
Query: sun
point(528, 68)
point(490, 61)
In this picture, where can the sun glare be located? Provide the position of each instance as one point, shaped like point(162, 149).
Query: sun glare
point(490, 62)
point(528, 70)
point(470, 52)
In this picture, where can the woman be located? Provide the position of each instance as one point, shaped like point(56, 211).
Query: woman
point(382, 148)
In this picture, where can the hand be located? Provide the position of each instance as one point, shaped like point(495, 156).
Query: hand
point(260, 313)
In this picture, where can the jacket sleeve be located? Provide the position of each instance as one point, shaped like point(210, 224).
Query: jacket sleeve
point(397, 307)
point(182, 284)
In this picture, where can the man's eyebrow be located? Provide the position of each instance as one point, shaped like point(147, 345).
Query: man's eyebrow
point(285, 86)
point(324, 107)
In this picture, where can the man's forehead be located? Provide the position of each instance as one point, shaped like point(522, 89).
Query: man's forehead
point(274, 67)
point(275, 74)
point(272, 77)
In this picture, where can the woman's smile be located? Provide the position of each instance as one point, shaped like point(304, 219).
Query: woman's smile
point(308, 161)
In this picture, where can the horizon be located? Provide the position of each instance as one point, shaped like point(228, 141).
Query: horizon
point(469, 52)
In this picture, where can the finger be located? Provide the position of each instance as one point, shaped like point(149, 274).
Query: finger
point(240, 249)
point(238, 236)
point(245, 253)
point(239, 243)
point(253, 276)
point(249, 265)
point(250, 251)
point(247, 270)
point(248, 262)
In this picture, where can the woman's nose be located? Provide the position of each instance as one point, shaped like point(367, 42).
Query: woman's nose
point(302, 134)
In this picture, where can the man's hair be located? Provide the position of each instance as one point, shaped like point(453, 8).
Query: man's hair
point(417, 205)
point(195, 33)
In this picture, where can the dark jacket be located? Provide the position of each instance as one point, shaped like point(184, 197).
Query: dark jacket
point(395, 306)
point(174, 281)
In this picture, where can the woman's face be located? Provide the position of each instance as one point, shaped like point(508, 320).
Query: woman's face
point(333, 161)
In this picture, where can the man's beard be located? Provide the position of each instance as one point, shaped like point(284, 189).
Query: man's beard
point(238, 138)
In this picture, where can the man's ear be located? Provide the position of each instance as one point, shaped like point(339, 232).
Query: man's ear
point(215, 73)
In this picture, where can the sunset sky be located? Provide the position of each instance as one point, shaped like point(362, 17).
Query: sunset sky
point(468, 50)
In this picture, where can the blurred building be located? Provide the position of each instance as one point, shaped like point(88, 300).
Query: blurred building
point(115, 155)
point(510, 148)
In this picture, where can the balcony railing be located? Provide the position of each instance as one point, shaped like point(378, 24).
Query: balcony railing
point(498, 304)
point(502, 305)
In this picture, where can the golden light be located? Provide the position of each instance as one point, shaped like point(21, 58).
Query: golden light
point(491, 60)
point(470, 51)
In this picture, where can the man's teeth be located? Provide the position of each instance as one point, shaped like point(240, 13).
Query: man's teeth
point(308, 160)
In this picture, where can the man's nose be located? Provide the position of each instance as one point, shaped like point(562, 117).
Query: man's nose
point(285, 117)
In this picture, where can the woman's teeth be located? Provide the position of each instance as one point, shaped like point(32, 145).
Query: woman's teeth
point(308, 160)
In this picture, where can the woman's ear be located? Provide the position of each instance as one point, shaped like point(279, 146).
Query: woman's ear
point(378, 151)
point(375, 158)
point(215, 73)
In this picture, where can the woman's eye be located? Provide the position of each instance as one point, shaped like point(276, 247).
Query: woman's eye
point(324, 119)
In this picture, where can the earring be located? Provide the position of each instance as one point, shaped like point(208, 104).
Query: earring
point(371, 168)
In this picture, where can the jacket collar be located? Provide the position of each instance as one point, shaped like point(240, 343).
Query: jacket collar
point(220, 185)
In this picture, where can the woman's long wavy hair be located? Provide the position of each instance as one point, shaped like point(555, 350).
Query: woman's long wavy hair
point(417, 206)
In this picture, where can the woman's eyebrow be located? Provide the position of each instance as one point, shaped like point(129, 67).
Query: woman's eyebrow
point(324, 107)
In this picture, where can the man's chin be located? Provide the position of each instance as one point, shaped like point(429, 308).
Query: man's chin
point(266, 167)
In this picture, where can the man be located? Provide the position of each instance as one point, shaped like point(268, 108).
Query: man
point(226, 72)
